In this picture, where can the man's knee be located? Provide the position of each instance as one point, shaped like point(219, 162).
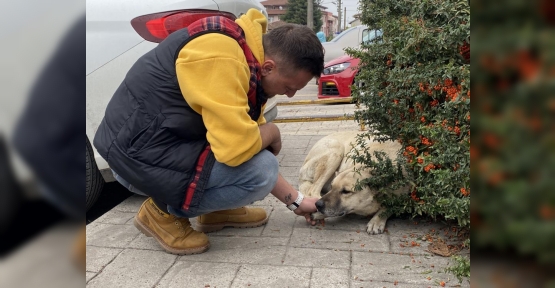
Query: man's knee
point(267, 168)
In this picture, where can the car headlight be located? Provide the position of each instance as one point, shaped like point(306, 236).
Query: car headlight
point(336, 68)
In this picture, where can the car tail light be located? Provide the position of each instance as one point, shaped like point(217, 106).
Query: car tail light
point(156, 27)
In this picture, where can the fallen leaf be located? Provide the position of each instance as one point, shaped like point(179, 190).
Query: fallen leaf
point(440, 248)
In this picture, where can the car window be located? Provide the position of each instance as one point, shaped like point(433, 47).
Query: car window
point(369, 35)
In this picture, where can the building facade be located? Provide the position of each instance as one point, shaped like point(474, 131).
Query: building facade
point(356, 21)
point(277, 8)
point(329, 23)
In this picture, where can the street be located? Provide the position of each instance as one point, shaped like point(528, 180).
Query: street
point(341, 254)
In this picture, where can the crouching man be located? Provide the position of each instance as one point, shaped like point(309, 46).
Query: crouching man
point(186, 127)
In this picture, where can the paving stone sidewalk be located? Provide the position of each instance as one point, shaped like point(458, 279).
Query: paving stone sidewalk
point(284, 253)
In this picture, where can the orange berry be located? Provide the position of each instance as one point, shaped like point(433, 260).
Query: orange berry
point(465, 192)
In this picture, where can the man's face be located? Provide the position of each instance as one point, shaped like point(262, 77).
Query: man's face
point(281, 80)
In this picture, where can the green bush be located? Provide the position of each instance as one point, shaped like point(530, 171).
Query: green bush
point(513, 146)
point(417, 91)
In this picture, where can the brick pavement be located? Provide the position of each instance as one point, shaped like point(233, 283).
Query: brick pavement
point(284, 253)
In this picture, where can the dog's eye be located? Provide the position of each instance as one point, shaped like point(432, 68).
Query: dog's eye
point(345, 192)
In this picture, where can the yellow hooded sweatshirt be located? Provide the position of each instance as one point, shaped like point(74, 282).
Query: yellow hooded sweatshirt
point(213, 76)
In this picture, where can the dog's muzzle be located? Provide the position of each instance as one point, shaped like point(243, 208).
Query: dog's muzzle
point(320, 206)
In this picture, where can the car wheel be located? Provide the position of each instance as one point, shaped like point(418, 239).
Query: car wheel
point(12, 194)
point(95, 182)
point(271, 114)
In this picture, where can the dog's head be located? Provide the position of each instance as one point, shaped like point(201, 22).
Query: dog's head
point(343, 199)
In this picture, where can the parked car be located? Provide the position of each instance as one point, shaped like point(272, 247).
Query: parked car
point(118, 33)
point(340, 73)
point(351, 37)
point(337, 77)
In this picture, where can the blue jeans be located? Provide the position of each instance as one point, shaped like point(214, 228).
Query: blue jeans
point(230, 187)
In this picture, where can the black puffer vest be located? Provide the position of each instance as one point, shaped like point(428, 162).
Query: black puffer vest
point(149, 134)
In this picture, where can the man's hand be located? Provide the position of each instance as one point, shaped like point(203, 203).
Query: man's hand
point(287, 194)
point(307, 207)
point(271, 137)
point(275, 147)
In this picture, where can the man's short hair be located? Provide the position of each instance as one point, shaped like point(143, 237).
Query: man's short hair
point(295, 46)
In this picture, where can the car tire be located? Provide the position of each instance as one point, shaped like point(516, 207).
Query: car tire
point(94, 180)
point(11, 191)
point(271, 114)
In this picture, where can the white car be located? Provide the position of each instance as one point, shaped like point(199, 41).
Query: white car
point(351, 37)
point(116, 33)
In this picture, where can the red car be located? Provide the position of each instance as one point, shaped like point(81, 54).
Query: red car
point(337, 78)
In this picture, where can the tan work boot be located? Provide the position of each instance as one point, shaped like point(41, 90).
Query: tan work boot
point(80, 249)
point(238, 218)
point(174, 234)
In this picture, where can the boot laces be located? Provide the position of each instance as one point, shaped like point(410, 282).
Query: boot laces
point(184, 226)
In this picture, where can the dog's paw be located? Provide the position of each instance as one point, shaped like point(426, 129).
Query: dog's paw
point(376, 226)
point(317, 216)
